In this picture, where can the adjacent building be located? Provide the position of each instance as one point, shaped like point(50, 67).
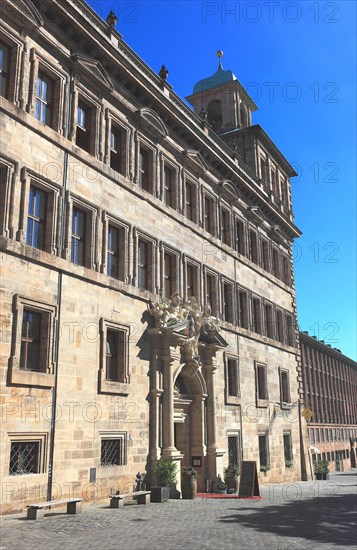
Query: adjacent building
point(147, 287)
point(330, 392)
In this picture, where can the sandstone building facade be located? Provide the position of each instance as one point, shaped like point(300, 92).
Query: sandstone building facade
point(330, 392)
point(147, 287)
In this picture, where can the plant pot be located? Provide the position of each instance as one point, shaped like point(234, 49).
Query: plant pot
point(189, 487)
point(160, 494)
point(232, 484)
point(322, 476)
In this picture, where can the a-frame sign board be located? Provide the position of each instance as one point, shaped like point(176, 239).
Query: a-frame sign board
point(248, 485)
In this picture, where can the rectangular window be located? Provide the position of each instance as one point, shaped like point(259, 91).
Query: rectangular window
point(280, 326)
point(144, 182)
point(275, 263)
point(169, 187)
point(115, 355)
point(31, 345)
point(253, 246)
point(234, 449)
point(208, 215)
point(225, 227)
point(113, 451)
point(143, 265)
point(227, 292)
point(190, 201)
point(261, 382)
point(191, 281)
point(269, 320)
point(286, 270)
point(290, 330)
point(232, 377)
point(263, 451)
point(274, 182)
point(36, 220)
point(240, 238)
point(4, 69)
point(256, 316)
point(264, 171)
point(211, 293)
point(317, 435)
point(83, 136)
point(44, 98)
point(24, 458)
point(326, 434)
point(265, 255)
point(169, 274)
point(284, 192)
point(284, 386)
point(322, 435)
point(288, 451)
point(243, 309)
point(78, 238)
point(113, 252)
point(312, 435)
point(115, 149)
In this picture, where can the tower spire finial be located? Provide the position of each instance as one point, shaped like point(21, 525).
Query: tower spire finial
point(219, 54)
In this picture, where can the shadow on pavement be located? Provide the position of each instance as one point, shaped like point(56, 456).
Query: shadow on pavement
point(304, 518)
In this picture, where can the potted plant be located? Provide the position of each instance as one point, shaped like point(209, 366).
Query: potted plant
point(265, 469)
point(231, 474)
point(189, 483)
point(289, 463)
point(321, 469)
point(220, 486)
point(166, 470)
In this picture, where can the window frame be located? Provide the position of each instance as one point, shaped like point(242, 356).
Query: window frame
point(240, 236)
point(151, 243)
point(167, 252)
point(46, 376)
point(237, 435)
point(114, 436)
point(284, 402)
point(288, 449)
point(232, 361)
point(267, 450)
point(228, 305)
point(188, 262)
point(243, 309)
point(91, 129)
point(194, 198)
point(41, 439)
point(269, 326)
point(122, 248)
point(15, 50)
point(253, 246)
point(260, 401)
point(211, 276)
point(256, 315)
point(225, 226)
point(149, 185)
point(208, 213)
point(91, 251)
point(169, 168)
point(106, 385)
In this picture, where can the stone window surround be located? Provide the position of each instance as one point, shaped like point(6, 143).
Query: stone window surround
point(237, 246)
point(16, 52)
point(232, 399)
point(247, 294)
point(91, 232)
point(215, 308)
point(228, 230)
point(24, 377)
point(153, 243)
point(126, 133)
point(195, 196)
point(165, 162)
point(284, 404)
point(142, 142)
point(124, 261)
point(7, 200)
point(112, 386)
point(213, 211)
point(30, 437)
point(39, 64)
point(82, 94)
point(189, 261)
point(261, 403)
point(265, 433)
point(114, 435)
point(164, 249)
point(28, 178)
point(265, 320)
point(259, 320)
point(233, 306)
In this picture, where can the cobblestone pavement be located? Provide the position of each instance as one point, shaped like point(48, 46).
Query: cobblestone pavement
point(294, 516)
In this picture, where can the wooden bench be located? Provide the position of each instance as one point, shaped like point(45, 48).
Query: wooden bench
point(37, 511)
point(142, 497)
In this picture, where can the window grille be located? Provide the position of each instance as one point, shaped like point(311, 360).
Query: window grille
point(24, 458)
point(112, 452)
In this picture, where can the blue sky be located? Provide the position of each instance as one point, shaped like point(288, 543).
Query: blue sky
point(297, 60)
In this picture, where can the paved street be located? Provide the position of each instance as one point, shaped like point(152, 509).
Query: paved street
point(314, 515)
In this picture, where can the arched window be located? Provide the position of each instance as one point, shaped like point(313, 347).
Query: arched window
point(243, 116)
point(214, 114)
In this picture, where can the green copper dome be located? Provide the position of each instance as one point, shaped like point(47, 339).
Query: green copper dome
point(219, 78)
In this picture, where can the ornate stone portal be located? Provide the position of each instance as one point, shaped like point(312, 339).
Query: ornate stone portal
point(184, 345)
